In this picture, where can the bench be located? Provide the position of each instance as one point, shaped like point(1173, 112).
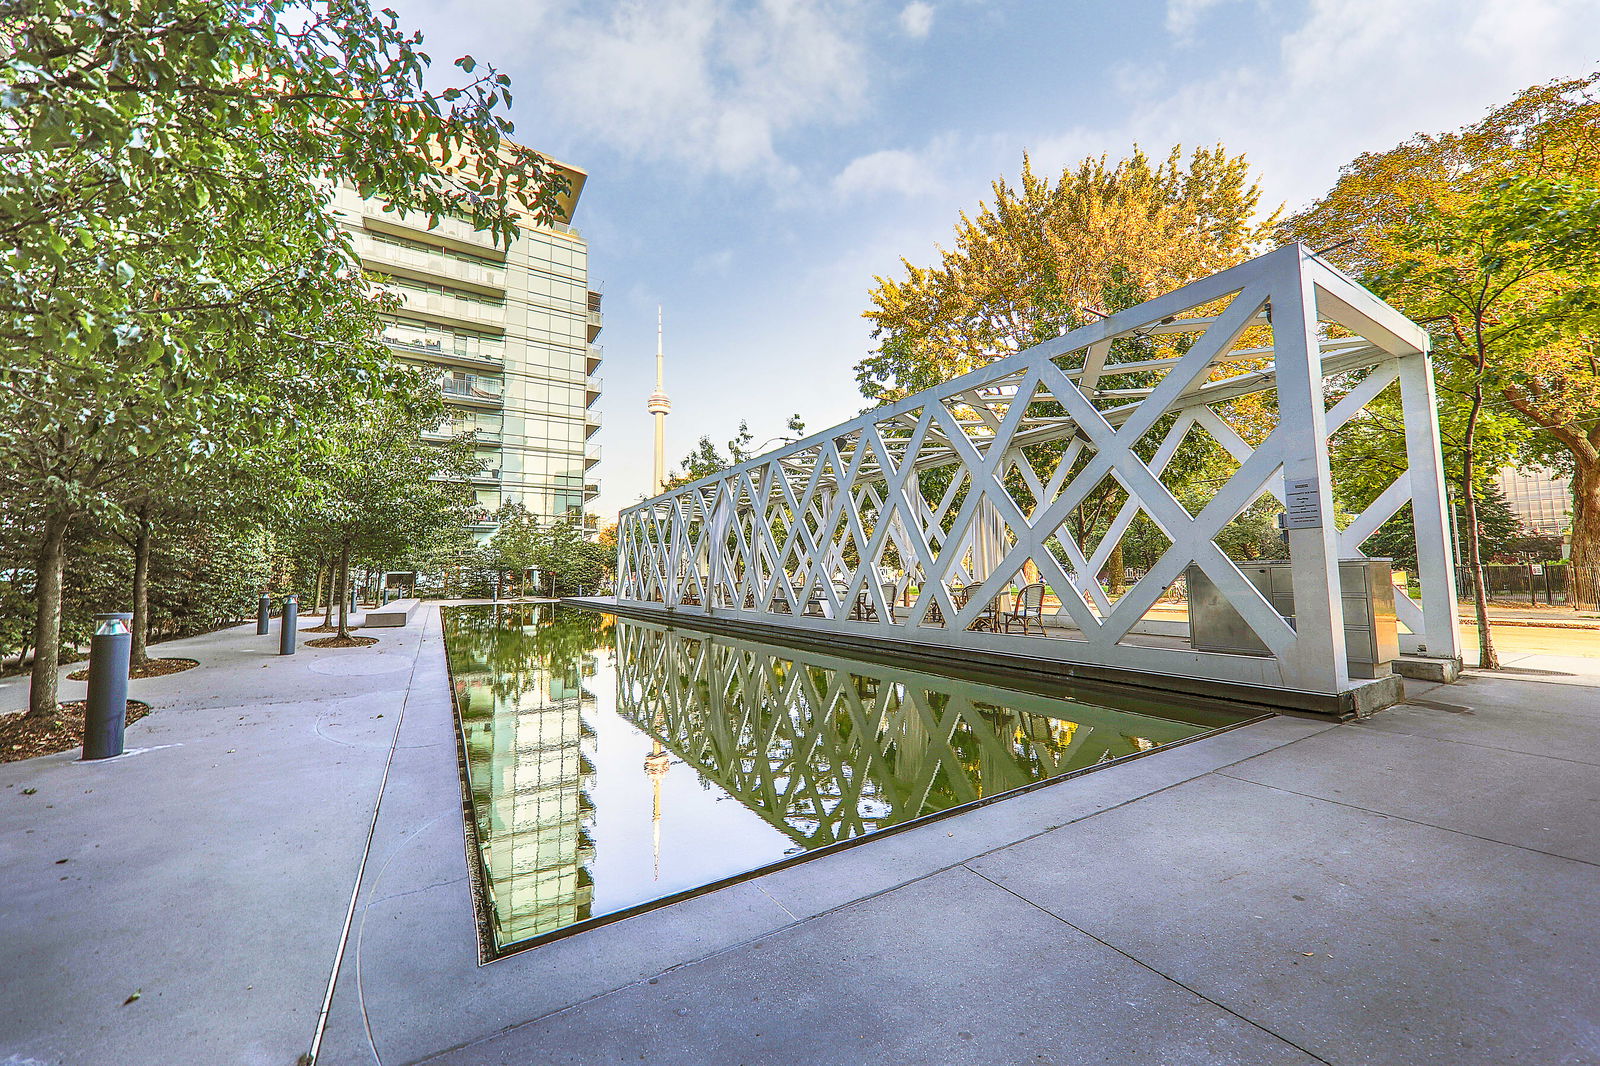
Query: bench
point(393, 614)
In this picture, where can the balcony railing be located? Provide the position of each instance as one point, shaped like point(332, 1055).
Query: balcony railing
point(438, 264)
point(473, 387)
point(440, 303)
point(454, 228)
point(439, 350)
point(485, 434)
point(592, 389)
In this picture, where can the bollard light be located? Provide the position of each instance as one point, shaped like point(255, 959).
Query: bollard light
point(264, 616)
point(289, 628)
point(105, 718)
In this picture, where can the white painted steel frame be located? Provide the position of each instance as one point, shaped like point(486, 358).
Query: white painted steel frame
point(771, 539)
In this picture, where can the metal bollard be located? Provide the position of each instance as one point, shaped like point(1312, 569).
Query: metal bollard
point(264, 616)
point(106, 716)
point(352, 599)
point(290, 626)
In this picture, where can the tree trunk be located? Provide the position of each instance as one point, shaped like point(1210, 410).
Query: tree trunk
point(1114, 570)
point(333, 582)
point(1583, 582)
point(342, 577)
point(42, 686)
point(1487, 657)
point(141, 592)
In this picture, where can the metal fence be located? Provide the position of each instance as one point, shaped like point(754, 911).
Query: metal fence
point(1551, 584)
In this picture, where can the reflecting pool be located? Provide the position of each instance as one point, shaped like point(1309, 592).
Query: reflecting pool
point(613, 762)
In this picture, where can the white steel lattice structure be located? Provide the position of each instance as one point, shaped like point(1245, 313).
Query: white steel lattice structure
point(986, 481)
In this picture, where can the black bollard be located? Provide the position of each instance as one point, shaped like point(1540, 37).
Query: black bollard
point(352, 599)
point(290, 625)
point(264, 616)
point(106, 716)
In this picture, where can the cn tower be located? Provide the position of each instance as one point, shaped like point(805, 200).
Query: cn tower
point(659, 406)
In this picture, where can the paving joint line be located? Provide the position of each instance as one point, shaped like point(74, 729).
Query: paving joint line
point(361, 869)
point(1145, 965)
point(585, 1001)
point(1475, 744)
point(1412, 821)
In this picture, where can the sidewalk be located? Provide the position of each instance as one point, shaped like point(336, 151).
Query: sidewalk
point(209, 869)
point(1413, 888)
point(1553, 617)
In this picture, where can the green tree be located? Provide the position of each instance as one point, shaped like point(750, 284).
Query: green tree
point(1033, 264)
point(1486, 233)
point(568, 561)
point(169, 250)
point(381, 488)
point(516, 542)
point(706, 459)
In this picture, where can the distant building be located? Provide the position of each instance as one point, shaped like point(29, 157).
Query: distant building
point(1541, 498)
point(511, 334)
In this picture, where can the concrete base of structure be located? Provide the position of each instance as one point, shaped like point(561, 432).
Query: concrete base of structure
point(397, 613)
point(1423, 668)
point(1359, 702)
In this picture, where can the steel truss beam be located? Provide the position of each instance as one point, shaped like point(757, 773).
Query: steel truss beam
point(979, 481)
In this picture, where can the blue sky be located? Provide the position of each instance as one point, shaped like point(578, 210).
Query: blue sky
point(753, 164)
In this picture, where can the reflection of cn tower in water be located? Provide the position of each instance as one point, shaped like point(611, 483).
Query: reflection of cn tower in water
point(655, 764)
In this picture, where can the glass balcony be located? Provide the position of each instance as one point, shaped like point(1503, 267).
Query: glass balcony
point(474, 387)
point(486, 434)
point(438, 263)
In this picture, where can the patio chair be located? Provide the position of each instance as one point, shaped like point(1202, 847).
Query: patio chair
point(1027, 607)
point(987, 619)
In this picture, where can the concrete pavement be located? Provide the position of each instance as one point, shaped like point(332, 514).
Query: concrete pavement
point(1417, 887)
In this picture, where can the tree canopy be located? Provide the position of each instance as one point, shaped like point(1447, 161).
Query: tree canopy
point(1041, 258)
point(1488, 234)
point(173, 281)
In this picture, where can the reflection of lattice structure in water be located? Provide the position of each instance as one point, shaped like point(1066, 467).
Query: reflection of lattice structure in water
point(826, 748)
point(985, 481)
point(528, 752)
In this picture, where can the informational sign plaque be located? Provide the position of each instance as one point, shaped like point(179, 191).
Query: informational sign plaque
point(1303, 504)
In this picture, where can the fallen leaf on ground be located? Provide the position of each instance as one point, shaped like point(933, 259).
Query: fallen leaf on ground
point(136, 994)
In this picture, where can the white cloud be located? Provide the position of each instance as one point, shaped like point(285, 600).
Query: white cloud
point(708, 85)
point(916, 18)
point(1184, 15)
point(1353, 76)
point(893, 171)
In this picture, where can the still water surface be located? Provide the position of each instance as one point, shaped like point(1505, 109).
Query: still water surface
point(614, 762)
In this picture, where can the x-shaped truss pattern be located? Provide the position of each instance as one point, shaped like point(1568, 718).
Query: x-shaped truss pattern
point(914, 520)
point(826, 749)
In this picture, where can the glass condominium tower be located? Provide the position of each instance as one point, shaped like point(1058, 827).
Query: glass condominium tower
point(510, 333)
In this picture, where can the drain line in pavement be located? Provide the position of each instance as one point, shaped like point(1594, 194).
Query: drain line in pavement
point(310, 1058)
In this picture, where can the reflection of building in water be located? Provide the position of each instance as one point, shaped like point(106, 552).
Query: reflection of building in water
point(528, 749)
point(826, 748)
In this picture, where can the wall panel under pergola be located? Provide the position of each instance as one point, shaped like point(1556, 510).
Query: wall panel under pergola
point(984, 483)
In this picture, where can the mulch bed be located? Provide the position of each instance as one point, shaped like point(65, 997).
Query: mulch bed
point(320, 629)
point(22, 737)
point(148, 668)
point(342, 642)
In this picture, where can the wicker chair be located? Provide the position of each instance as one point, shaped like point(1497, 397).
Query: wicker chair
point(1027, 607)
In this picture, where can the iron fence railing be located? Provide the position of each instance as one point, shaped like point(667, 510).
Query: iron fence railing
point(1550, 584)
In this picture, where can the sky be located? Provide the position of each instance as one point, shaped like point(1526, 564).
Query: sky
point(753, 165)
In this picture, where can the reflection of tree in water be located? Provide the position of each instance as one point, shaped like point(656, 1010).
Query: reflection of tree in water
point(518, 674)
point(827, 748)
